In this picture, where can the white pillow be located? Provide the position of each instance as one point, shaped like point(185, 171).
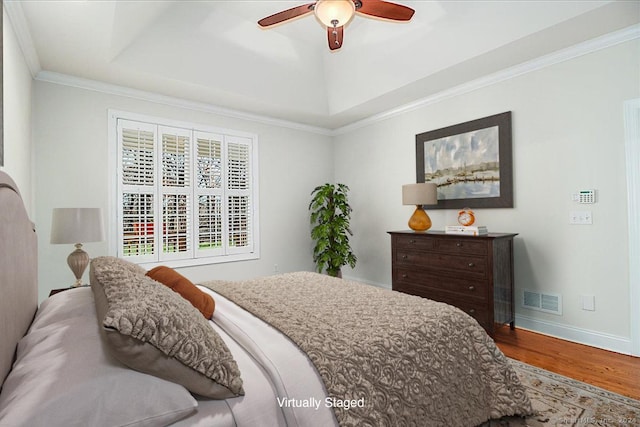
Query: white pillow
point(64, 376)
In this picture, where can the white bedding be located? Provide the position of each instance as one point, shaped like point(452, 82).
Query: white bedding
point(63, 376)
point(294, 393)
point(63, 359)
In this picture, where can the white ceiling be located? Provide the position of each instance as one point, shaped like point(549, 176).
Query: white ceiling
point(214, 52)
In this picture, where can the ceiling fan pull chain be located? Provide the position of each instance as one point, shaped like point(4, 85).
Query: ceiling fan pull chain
point(335, 31)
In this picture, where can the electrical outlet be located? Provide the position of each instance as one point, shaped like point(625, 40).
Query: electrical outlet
point(580, 218)
point(275, 268)
point(588, 302)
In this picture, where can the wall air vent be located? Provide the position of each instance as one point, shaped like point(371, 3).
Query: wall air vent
point(547, 302)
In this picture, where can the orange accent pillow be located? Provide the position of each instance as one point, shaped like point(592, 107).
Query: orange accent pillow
point(180, 284)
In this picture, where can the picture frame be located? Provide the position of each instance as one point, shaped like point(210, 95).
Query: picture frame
point(471, 162)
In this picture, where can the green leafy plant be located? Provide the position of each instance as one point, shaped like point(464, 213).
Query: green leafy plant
point(330, 215)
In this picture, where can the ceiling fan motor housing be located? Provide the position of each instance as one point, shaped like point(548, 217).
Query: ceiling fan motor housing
point(334, 13)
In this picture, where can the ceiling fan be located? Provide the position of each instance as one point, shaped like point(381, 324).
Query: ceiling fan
point(335, 14)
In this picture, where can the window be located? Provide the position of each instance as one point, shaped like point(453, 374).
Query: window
point(187, 194)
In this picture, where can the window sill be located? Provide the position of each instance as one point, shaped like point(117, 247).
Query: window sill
point(177, 263)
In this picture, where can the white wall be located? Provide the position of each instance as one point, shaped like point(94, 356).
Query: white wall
point(568, 134)
point(17, 87)
point(70, 136)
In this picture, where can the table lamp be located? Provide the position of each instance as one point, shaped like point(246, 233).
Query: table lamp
point(75, 225)
point(423, 193)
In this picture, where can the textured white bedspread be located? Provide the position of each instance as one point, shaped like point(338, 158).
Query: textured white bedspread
point(409, 360)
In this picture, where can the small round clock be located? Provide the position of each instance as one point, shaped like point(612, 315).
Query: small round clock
point(466, 217)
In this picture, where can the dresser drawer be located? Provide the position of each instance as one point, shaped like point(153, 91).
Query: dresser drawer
point(461, 246)
point(477, 311)
point(474, 307)
point(414, 243)
point(417, 278)
point(465, 266)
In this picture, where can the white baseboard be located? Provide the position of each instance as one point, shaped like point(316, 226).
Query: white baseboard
point(368, 282)
point(574, 334)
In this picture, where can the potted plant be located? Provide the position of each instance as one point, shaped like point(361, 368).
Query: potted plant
point(330, 215)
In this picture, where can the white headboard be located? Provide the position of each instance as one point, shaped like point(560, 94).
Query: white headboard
point(18, 271)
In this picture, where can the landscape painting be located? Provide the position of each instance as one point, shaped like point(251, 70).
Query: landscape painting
point(470, 163)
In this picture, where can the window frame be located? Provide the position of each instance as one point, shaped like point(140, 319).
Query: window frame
point(196, 256)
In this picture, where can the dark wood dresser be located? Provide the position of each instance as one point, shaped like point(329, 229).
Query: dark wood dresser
point(473, 273)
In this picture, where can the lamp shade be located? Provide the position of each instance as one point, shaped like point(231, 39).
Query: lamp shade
point(423, 193)
point(77, 225)
point(340, 11)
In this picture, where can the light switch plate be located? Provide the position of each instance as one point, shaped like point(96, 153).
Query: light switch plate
point(580, 218)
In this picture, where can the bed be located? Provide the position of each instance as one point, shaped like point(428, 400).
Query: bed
point(297, 349)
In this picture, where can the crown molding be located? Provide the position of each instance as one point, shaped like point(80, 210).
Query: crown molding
point(593, 45)
point(21, 30)
point(111, 89)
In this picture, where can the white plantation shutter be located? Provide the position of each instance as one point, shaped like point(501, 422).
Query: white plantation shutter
point(185, 194)
point(176, 190)
point(137, 237)
point(209, 180)
point(239, 194)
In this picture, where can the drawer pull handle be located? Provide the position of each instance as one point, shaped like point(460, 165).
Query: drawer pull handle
point(405, 275)
point(472, 288)
point(459, 244)
point(471, 264)
point(404, 256)
point(471, 311)
point(412, 241)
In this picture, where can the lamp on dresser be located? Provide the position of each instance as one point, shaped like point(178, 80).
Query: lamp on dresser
point(77, 226)
point(422, 193)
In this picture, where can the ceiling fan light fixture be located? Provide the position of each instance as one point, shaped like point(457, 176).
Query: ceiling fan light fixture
point(334, 13)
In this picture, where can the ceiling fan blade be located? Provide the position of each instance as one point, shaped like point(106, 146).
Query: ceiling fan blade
point(385, 9)
point(285, 15)
point(334, 36)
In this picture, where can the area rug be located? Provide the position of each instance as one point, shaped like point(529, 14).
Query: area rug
point(562, 401)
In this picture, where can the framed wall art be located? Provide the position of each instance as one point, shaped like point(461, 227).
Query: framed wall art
point(470, 162)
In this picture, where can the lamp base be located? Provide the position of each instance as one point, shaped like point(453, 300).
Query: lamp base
point(419, 221)
point(78, 261)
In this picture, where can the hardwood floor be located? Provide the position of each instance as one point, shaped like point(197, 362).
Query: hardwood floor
point(612, 371)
